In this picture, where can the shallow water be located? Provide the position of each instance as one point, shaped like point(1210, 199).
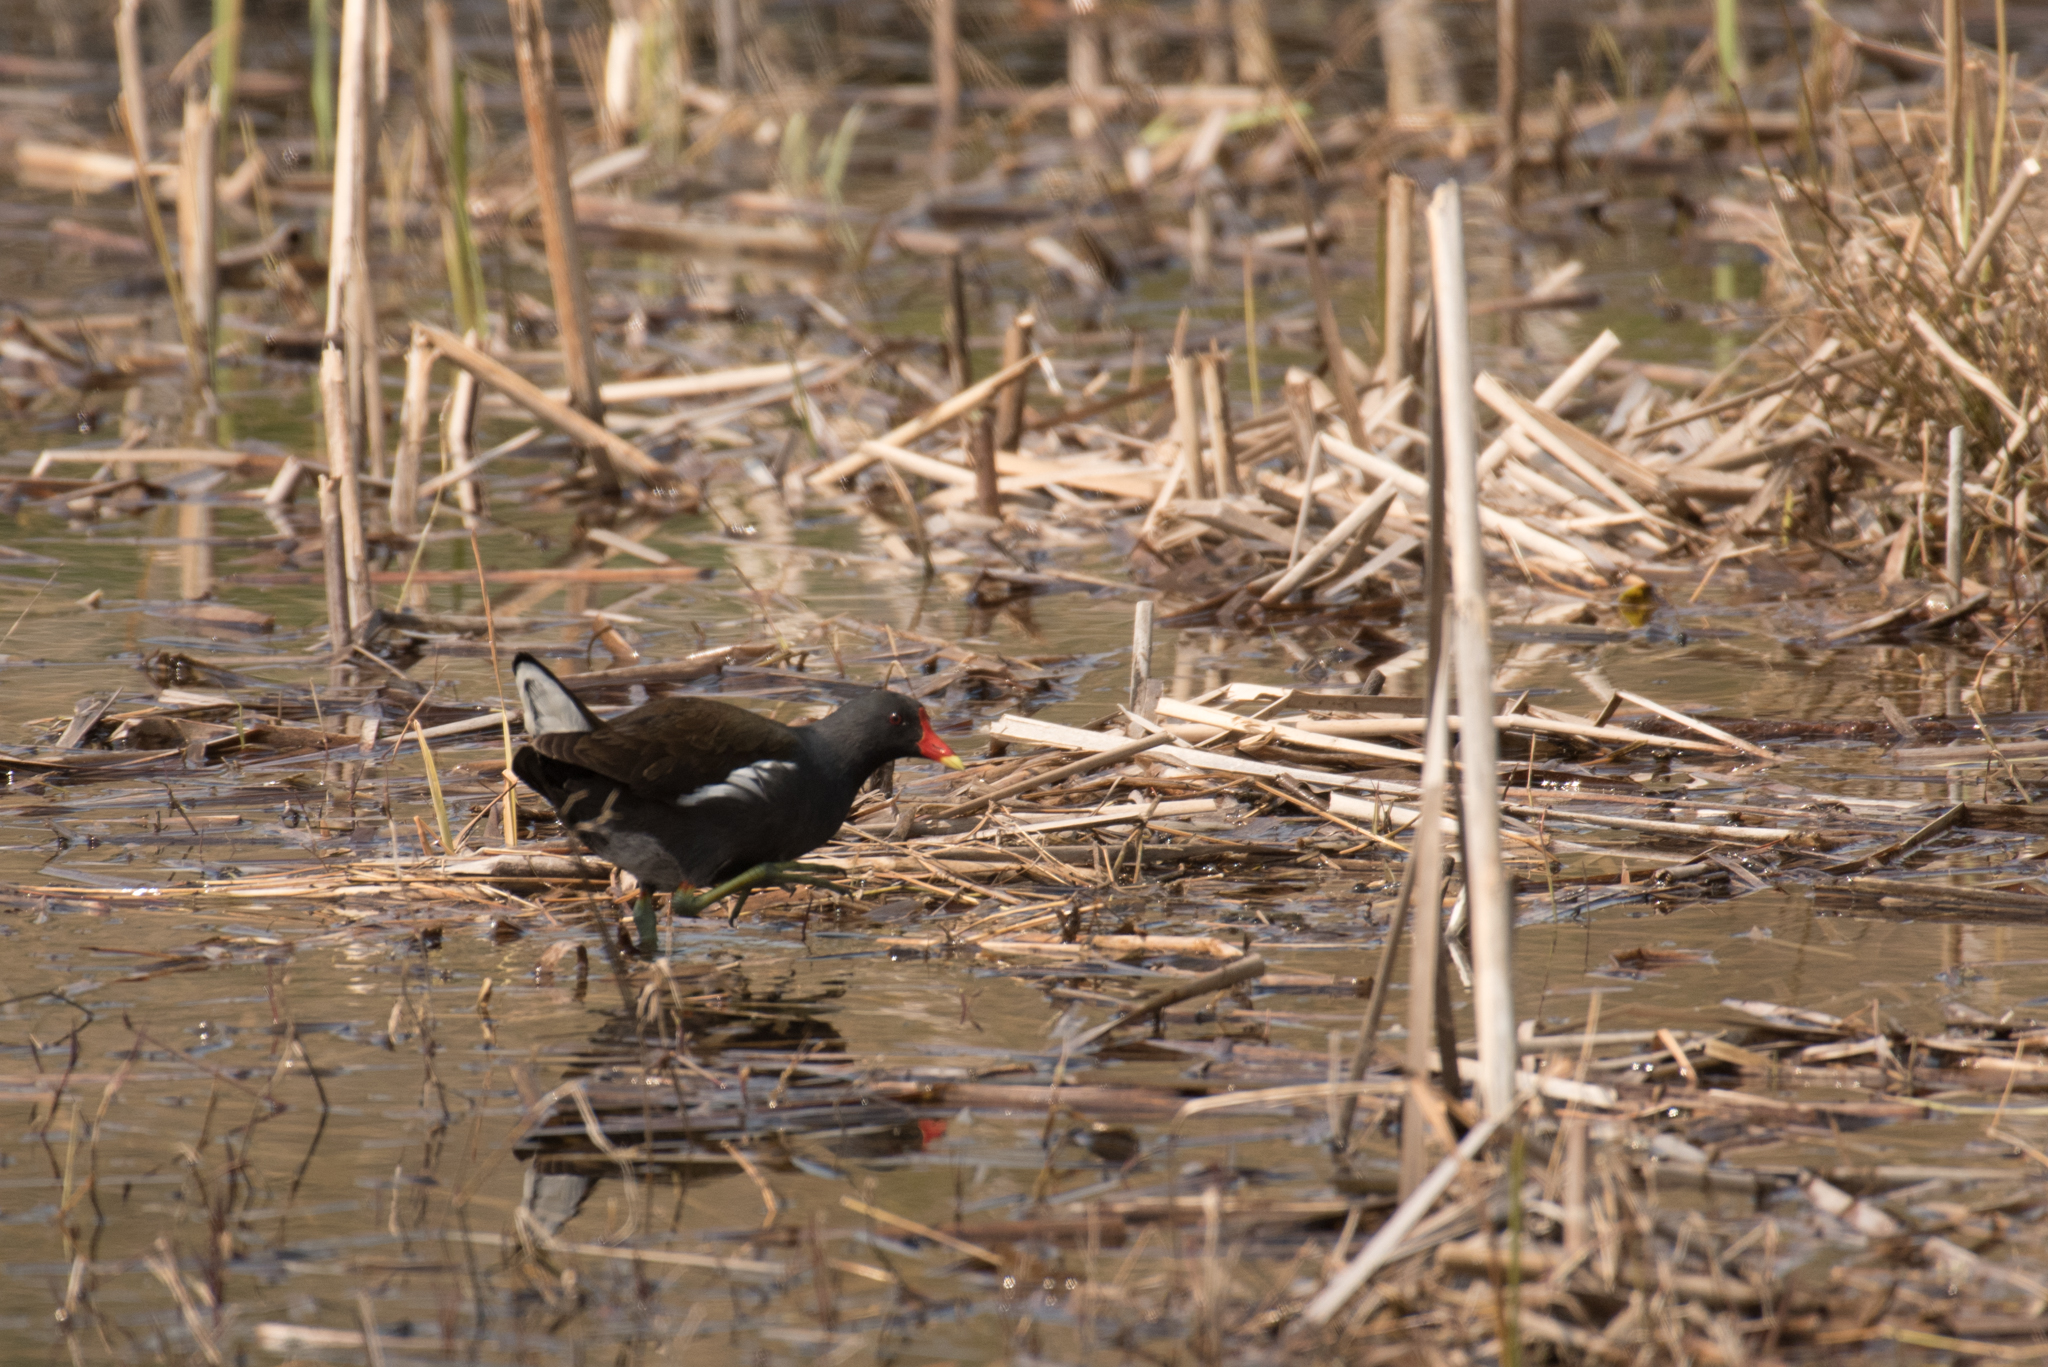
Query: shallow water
point(400, 1185)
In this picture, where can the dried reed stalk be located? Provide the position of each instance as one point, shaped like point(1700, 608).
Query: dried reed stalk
point(1216, 407)
point(1398, 320)
point(1084, 73)
point(945, 22)
point(227, 58)
point(343, 368)
point(1187, 423)
point(198, 245)
point(549, 146)
point(1010, 405)
point(405, 468)
point(1301, 412)
point(1333, 336)
point(1508, 98)
point(458, 425)
point(1952, 557)
point(333, 557)
point(134, 92)
point(726, 38)
point(1139, 700)
point(449, 144)
point(622, 454)
point(1479, 826)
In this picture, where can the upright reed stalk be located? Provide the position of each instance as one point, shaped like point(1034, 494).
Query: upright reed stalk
point(449, 111)
point(1486, 885)
point(134, 91)
point(322, 93)
point(550, 148)
point(343, 367)
point(945, 22)
point(198, 254)
point(227, 57)
point(1508, 63)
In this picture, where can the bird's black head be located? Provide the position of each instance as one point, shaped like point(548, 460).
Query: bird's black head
point(889, 726)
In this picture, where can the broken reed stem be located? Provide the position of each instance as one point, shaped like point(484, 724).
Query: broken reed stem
point(981, 449)
point(1994, 225)
point(1333, 336)
point(1187, 423)
point(458, 422)
point(198, 254)
point(549, 147)
point(333, 557)
point(1952, 550)
point(522, 391)
point(1142, 615)
point(412, 439)
point(1216, 407)
point(959, 358)
point(1115, 754)
point(913, 513)
point(1508, 95)
point(1479, 825)
point(153, 219)
point(1221, 980)
point(483, 589)
point(1301, 412)
point(923, 425)
point(1375, 1007)
point(1355, 530)
point(1387, 1239)
point(1251, 328)
point(1398, 320)
point(434, 791)
point(1010, 402)
point(980, 422)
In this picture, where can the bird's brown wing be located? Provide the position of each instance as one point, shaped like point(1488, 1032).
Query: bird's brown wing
point(674, 747)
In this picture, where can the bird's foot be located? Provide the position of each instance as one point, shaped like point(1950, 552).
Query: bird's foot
point(761, 875)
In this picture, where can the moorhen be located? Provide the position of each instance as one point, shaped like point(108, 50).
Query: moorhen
point(693, 792)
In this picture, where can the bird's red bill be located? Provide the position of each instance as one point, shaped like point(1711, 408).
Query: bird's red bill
point(931, 747)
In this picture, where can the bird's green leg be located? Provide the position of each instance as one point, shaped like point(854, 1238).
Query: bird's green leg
point(645, 928)
point(761, 875)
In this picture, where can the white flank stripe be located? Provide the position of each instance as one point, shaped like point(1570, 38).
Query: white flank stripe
point(750, 781)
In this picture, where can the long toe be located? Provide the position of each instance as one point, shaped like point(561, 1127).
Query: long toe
point(805, 871)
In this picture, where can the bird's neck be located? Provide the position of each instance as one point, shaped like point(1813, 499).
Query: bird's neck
point(842, 746)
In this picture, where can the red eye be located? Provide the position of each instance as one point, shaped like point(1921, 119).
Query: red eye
point(895, 720)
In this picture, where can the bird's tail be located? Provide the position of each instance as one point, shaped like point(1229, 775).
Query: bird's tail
point(547, 704)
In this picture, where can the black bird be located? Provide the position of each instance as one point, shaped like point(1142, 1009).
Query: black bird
point(697, 793)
